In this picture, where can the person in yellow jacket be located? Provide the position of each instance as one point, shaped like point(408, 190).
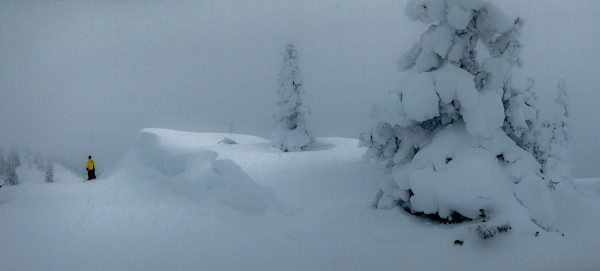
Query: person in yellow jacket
point(91, 168)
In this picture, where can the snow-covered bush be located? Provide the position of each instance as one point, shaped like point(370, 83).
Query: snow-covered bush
point(228, 141)
point(458, 136)
point(290, 132)
point(486, 231)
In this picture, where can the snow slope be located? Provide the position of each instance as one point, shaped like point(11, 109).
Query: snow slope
point(180, 201)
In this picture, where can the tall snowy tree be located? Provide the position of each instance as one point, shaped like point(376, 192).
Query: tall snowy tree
point(456, 136)
point(290, 132)
point(522, 116)
point(558, 166)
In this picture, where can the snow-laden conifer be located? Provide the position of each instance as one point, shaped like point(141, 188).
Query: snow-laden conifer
point(458, 137)
point(11, 172)
point(290, 132)
point(2, 164)
point(49, 170)
point(558, 167)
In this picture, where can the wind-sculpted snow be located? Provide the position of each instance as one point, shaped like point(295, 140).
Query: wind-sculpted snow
point(176, 159)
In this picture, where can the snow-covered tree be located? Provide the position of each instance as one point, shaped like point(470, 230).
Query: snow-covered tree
point(231, 129)
point(11, 172)
point(290, 132)
point(49, 172)
point(543, 136)
point(457, 136)
point(2, 164)
point(558, 167)
point(522, 114)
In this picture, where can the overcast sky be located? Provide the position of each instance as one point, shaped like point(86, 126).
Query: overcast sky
point(83, 77)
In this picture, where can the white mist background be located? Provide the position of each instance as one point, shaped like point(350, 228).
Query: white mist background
point(83, 77)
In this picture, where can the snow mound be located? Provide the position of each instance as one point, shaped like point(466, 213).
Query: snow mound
point(589, 187)
point(180, 161)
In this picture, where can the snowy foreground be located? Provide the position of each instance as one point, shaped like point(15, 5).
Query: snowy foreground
point(180, 201)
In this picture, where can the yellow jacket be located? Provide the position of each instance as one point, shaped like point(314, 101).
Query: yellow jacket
point(90, 164)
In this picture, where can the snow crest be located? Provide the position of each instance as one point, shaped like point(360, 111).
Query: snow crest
point(183, 165)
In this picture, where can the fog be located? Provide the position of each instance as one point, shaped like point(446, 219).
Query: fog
point(83, 77)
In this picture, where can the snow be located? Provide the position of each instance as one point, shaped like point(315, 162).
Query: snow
point(494, 20)
point(442, 39)
point(466, 4)
point(486, 116)
point(408, 60)
point(458, 17)
point(531, 193)
point(428, 59)
point(154, 213)
point(419, 99)
point(452, 82)
point(499, 71)
point(427, 11)
point(186, 165)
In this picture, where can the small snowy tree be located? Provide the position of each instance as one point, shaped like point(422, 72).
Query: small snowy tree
point(231, 129)
point(49, 172)
point(2, 164)
point(522, 114)
point(228, 140)
point(11, 173)
point(558, 167)
point(290, 132)
point(458, 137)
point(543, 136)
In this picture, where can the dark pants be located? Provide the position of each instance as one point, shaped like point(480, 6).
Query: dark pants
point(91, 174)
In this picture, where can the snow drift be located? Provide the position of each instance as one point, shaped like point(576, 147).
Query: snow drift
point(183, 164)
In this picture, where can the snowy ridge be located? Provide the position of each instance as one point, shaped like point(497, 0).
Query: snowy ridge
point(176, 158)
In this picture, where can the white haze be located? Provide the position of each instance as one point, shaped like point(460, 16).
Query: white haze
point(83, 77)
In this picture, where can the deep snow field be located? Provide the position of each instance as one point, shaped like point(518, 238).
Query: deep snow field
point(180, 201)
